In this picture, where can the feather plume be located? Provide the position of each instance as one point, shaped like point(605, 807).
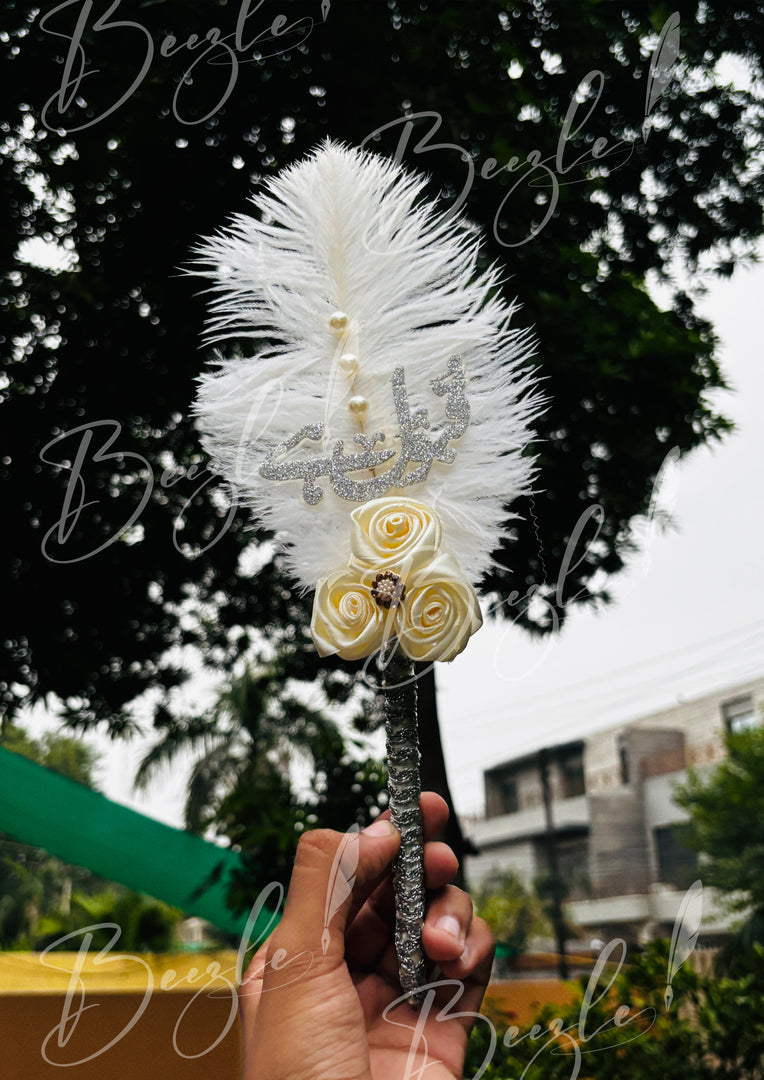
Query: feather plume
point(346, 231)
point(341, 879)
point(685, 935)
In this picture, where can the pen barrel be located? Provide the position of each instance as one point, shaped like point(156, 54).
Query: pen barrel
point(404, 787)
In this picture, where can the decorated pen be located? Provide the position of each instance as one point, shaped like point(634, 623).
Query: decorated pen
point(380, 429)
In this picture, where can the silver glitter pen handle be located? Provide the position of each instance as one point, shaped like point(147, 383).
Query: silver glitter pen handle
point(400, 712)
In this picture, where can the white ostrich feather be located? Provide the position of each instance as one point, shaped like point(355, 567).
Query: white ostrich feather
point(348, 231)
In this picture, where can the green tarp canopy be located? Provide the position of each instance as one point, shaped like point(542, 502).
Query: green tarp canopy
point(83, 827)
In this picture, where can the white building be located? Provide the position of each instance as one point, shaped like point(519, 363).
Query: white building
point(609, 812)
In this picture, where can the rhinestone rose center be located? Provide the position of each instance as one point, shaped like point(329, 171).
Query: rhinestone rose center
point(388, 589)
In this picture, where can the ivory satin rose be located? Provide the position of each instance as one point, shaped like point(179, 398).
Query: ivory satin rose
point(438, 611)
point(346, 619)
point(394, 534)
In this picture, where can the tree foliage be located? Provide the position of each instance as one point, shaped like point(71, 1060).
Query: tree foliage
point(145, 925)
point(726, 824)
point(619, 1027)
point(513, 913)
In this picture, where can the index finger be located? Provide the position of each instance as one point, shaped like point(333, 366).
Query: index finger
point(435, 814)
point(372, 910)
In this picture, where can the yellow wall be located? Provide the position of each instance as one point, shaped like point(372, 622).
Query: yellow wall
point(169, 1017)
point(172, 1019)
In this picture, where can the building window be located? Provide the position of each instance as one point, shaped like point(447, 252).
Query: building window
point(508, 800)
point(573, 866)
point(739, 715)
point(677, 863)
point(573, 776)
point(623, 761)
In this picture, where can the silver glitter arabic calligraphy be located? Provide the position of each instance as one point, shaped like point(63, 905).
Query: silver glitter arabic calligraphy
point(415, 446)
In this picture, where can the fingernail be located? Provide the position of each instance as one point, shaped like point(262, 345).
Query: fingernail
point(380, 827)
point(450, 925)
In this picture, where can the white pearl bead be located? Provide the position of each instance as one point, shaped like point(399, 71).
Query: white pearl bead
point(348, 363)
point(358, 405)
point(338, 321)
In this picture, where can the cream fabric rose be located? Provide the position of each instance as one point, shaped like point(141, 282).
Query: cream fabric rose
point(439, 613)
point(394, 534)
point(346, 619)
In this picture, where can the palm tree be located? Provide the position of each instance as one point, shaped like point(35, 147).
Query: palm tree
point(241, 783)
point(256, 729)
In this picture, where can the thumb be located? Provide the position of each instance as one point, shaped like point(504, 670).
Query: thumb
point(333, 873)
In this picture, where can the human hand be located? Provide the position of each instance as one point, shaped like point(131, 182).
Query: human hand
point(310, 1015)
